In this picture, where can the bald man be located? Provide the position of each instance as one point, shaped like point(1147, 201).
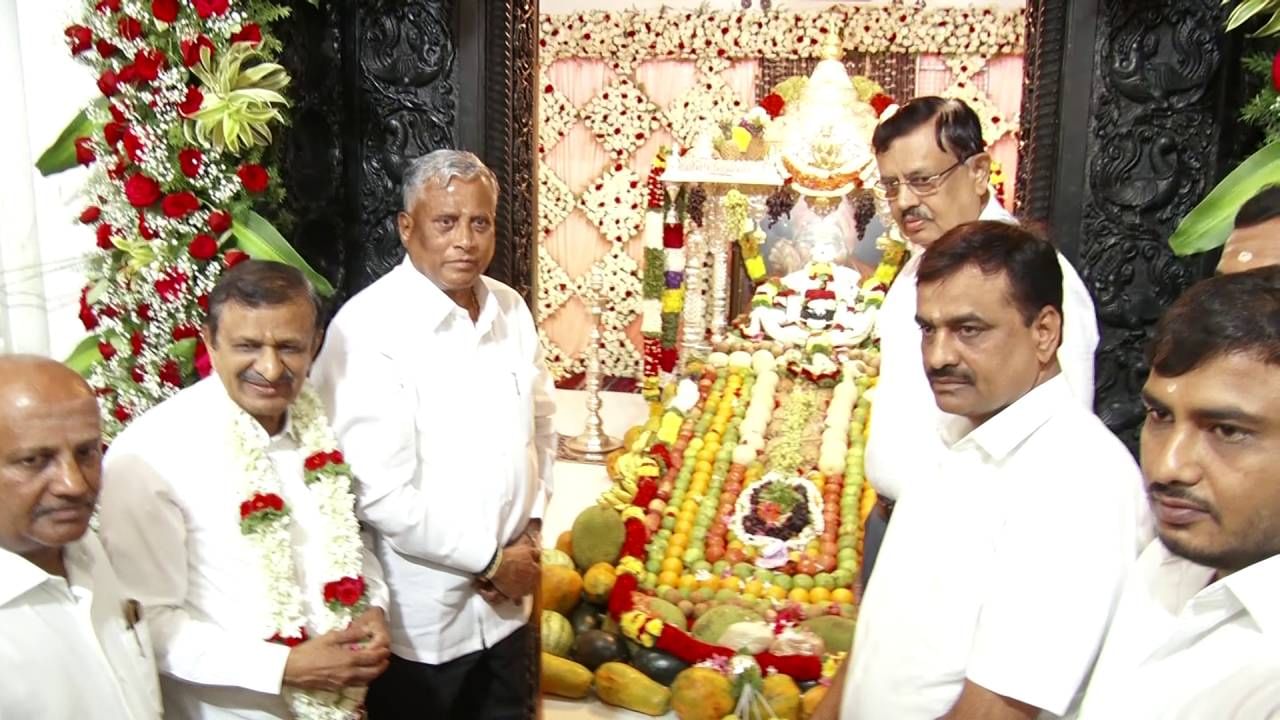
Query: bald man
point(71, 646)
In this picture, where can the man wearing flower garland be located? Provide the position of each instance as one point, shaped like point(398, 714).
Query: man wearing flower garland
point(934, 171)
point(1195, 633)
point(438, 392)
point(229, 511)
point(1002, 567)
point(71, 644)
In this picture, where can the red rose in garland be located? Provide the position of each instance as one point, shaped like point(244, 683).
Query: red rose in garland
point(202, 363)
point(233, 258)
point(81, 38)
point(141, 190)
point(104, 233)
point(189, 160)
point(144, 312)
point(190, 105)
point(880, 102)
point(166, 11)
point(106, 350)
point(203, 247)
point(130, 29)
point(171, 286)
point(135, 374)
point(219, 221)
point(136, 342)
point(87, 317)
point(179, 204)
point(108, 83)
point(346, 591)
point(1275, 72)
point(132, 146)
point(773, 104)
point(107, 6)
point(144, 229)
point(84, 152)
point(148, 64)
point(121, 414)
point(250, 33)
point(170, 374)
point(104, 48)
point(90, 214)
point(208, 8)
point(191, 49)
point(113, 132)
point(253, 177)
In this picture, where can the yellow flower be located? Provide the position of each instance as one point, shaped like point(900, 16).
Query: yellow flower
point(741, 137)
point(672, 300)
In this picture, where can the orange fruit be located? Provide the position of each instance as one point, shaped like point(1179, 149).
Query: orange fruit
point(688, 582)
point(842, 595)
point(819, 594)
point(674, 565)
point(667, 577)
point(753, 587)
point(799, 595)
point(775, 592)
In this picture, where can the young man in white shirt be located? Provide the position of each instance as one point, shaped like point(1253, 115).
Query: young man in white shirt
point(72, 645)
point(1255, 240)
point(1001, 568)
point(435, 381)
point(1197, 630)
point(228, 512)
point(935, 172)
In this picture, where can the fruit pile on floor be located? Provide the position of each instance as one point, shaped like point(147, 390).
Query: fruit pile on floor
point(728, 547)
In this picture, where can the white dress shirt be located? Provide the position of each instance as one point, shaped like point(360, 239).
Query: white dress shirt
point(448, 425)
point(68, 650)
point(170, 518)
point(1184, 645)
point(901, 446)
point(1002, 567)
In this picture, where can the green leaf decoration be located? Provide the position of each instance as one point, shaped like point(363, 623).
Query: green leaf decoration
point(85, 356)
point(184, 350)
point(1209, 223)
point(1247, 9)
point(257, 237)
point(1271, 27)
point(239, 105)
point(61, 155)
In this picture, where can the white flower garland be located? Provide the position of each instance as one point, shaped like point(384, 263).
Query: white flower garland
point(621, 117)
point(265, 523)
point(615, 203)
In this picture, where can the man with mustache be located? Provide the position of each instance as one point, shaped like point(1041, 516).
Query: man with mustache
point(71, 644)
point(935, 172)
point(1003, 564)
point(227, 511)
point(437, 388)
point(1195, 634)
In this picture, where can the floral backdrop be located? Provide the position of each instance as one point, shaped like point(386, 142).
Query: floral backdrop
point(615, 86)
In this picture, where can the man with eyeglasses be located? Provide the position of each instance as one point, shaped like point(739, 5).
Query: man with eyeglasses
point(935, 172)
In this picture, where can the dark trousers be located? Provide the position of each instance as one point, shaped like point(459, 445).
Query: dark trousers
point(496, 683)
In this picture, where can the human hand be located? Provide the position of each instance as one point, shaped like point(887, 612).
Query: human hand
point(373, 623)
point(330, 662)
point(491, 594)
point(519, 572)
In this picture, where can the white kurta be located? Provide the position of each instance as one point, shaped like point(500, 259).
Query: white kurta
point(902, 446)
point(170, 518)
point(67, 650)
point(1184, 646)
point(448, 425)
point(1003, 567)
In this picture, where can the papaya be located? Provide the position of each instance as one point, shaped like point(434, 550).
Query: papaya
point(783, 696)
point(701, 694)
point(622, 685)
point(594, 648)
point(557, 634)
point(564, 677)
point(597, 582)
point(597, 537)
point(809, 701)
point(561, 588)
point(564, 543)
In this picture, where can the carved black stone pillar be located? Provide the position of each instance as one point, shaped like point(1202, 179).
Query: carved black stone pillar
point(1123, 133)
point(379, 82)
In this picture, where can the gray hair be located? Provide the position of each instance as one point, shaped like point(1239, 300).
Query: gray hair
point(443, 166)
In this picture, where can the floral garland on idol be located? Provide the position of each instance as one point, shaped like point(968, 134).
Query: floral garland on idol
point(175, 149)
point(264, 521)
point(663, 287)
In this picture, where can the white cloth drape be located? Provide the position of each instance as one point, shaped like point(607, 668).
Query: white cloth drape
point(41, 245)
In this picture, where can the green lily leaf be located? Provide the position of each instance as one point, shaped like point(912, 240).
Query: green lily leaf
point(184, 350)
point(85, 356)
point(61, 155)
point(1246, 10)
point(261, 241)
point(1271, 27)
point(95, 292)
point(1209, 223)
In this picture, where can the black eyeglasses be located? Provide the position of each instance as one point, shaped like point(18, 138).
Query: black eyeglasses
point(920, 187)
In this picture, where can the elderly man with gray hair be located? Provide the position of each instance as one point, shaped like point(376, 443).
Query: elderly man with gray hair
point(434, 379)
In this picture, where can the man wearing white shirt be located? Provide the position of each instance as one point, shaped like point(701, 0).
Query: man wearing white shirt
point(935, 172)
point(435, 381)
point(229, 513)
point(1001, 568)
point(72, 645)
point(1197, 631)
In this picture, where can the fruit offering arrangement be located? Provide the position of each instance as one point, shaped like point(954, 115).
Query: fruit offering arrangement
point(732, 534)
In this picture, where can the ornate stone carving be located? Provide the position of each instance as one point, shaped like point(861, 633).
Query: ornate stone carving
point(1152, 154)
